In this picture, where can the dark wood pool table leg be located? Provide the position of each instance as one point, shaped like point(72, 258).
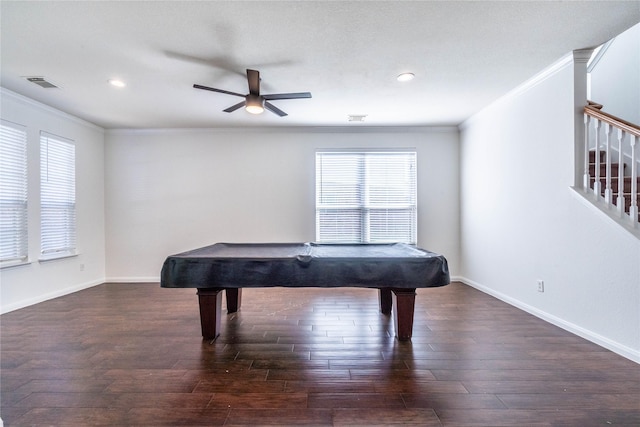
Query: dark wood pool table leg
point(385, 300)
point(403, 307)
point(210, 300)
point(234, 299)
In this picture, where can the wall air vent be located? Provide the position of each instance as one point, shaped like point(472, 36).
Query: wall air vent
point(357, 117)
point(40, 81)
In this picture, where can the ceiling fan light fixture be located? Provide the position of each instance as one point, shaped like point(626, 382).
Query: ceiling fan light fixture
point(254, 105)
point(254, 109)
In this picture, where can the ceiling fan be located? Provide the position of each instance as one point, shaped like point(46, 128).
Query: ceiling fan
point(253, 101)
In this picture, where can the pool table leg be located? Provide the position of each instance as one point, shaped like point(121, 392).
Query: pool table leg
point(234, 299)
point(210, 300)
point(403, 307)
point(385, 300)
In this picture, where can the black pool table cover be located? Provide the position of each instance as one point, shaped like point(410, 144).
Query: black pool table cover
point(246, 265)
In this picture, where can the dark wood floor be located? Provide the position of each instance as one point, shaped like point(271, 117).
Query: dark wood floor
point(131, 354)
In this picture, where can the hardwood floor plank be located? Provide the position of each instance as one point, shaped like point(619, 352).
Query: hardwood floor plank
point(258, 400)
point(356, 400)
point(553, 387)
point(308, 374)
point(331, 386)
point(571, 401)
point(176, 417)
point(537, 418)
point(415, 386)
point(72, 417)
point(384, 417)
point(239, 386)
point(279, 417)
point(452, 401)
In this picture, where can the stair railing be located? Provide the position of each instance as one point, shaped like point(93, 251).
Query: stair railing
point(627, 136)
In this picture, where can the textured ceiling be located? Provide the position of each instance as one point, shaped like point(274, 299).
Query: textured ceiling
point(346, 53)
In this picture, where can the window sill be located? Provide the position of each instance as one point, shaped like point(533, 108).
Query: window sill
point(55, 257)
point(12, 264)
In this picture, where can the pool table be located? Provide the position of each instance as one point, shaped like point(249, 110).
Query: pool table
point(396, 269)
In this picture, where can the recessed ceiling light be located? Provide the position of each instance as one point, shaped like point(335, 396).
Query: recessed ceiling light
point(117, 83)
point(405, 77)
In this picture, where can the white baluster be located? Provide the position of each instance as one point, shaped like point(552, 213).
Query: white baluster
point(607, 187)
point(633, 209)
point(596, 169)
point(621, 201)
point(585, 181)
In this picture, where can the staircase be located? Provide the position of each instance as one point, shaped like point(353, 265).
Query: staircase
point(614, 184)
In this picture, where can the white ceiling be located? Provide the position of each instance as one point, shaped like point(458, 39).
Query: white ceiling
point(346, 53)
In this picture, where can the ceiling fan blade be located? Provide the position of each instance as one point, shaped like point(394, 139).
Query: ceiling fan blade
point(269, 106)
point(235, 107)
point(288, 95)
point(217, 90)
point(253, 77)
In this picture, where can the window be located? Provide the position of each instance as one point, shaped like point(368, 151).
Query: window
point(366, 197)
point(13, 193)
point(57, 196)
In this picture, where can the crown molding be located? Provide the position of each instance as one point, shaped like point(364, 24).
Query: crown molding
point(287, 130)
point(553, 69)
point(6, 93)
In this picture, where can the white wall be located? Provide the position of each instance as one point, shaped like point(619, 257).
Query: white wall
point(615, 78)
point(172, 190)
point(38, 281)
point(521, 222)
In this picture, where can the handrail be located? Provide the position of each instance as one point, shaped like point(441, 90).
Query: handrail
point(593, 110)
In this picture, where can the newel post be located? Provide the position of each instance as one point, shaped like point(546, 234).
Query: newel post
point(581, 122)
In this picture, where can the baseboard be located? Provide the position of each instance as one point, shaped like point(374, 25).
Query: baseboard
point(615, 347)
point(136, 279)
point(48, 296)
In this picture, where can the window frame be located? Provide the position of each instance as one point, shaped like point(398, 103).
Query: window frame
point(16, 186)
point(58, 210)
point(365, 197)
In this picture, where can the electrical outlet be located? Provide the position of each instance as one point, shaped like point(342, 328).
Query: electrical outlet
point(540, 285)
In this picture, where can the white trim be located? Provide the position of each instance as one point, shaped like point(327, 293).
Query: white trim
point(598, 205)
point(11, 264)
point(602, 341)
point(288, 129)
point(4, 92)
point(593, 62)
point(134, 279)
point(51, 295)
point(564, 62)
point(44, 258)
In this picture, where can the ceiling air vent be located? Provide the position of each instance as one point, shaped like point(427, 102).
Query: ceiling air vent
point(40, 81)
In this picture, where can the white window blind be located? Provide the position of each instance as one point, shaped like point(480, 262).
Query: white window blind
point(366, 197)
point(13, 193)
point(57, 196)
